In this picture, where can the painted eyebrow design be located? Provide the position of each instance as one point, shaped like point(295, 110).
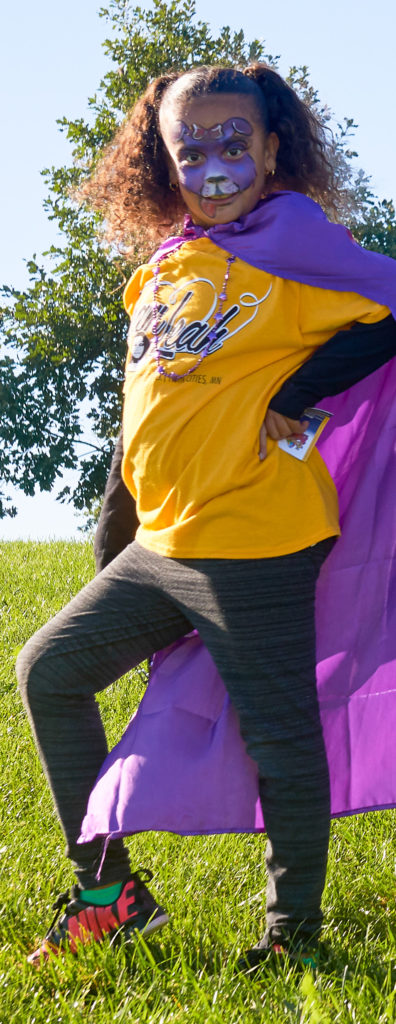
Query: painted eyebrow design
point(196, 133)
point(186, 145)
point(198, 142)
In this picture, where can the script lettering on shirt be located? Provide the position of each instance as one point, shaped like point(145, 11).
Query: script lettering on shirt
point(193, 337)
point(173, 331)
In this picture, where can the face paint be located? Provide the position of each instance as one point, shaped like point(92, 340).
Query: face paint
point(237, 126)
point(209, 163)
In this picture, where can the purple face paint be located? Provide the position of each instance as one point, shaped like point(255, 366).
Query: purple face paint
point(208, 162)
point(237, 125)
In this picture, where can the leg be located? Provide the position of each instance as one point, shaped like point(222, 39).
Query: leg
point(117, 621)
point(257, 619)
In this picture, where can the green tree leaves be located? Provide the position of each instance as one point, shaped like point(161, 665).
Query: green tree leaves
point(63, 338)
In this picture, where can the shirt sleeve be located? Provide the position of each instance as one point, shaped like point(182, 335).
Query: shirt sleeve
point(118, 521)
point(324, 311)
point(336, 365)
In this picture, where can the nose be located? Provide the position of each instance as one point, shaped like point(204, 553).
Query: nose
point(215, 178)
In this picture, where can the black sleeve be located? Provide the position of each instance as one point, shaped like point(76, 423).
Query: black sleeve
point(118, 521)
point(335, 366)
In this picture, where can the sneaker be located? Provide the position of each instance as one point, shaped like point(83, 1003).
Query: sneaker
point(267, 952)
point(134, 911)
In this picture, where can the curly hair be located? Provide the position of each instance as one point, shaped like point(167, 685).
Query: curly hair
point(131, 186)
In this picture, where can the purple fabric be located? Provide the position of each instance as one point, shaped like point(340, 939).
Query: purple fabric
point(181, 765)
point(288, 235)
point(184, 736)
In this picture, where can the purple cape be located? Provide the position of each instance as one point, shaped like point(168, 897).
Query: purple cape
point(181, 765)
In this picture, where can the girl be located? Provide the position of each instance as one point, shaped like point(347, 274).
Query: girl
point(233, 531)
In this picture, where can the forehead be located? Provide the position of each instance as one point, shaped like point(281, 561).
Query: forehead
point(209, 111)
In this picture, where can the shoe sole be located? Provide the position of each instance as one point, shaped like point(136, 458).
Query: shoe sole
point(274, 959)
point(152, 926)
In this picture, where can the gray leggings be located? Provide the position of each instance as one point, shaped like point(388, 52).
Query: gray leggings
point(256, 617)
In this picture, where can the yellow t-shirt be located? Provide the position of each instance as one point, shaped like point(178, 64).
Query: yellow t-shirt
point(191, 446)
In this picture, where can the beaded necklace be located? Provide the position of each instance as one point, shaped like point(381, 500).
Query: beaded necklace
point(155, 329)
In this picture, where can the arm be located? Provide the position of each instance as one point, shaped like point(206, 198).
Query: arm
point(342, 361)
point(118, 521)
point(338, 364)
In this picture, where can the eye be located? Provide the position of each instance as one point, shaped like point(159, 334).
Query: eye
point(192, 158)
point(235, 150)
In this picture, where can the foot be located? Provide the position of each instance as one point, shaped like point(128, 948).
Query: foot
point(135, 910)
point(267, 952)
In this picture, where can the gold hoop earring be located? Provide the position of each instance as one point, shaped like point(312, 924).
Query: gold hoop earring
point(173, 186)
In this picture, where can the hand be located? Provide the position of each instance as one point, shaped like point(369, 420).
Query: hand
point(277, 427)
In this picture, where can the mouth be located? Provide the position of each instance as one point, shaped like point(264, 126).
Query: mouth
point(209, 206)
point(223, 198)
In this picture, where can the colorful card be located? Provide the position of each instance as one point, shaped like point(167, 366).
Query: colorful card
point(301, 445)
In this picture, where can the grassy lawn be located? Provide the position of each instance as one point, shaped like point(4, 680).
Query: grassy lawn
point(213, 888)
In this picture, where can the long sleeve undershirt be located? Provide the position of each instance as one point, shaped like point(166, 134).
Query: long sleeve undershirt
point(118, 521)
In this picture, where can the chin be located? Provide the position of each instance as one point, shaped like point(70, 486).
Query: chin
point(228, 213)
point(226, 218)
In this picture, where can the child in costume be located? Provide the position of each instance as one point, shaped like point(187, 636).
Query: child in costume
point(233, 531)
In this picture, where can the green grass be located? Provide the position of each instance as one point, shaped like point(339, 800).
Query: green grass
point(213, 887)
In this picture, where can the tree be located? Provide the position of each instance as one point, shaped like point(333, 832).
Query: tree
point(378, 229)
point(64, 336)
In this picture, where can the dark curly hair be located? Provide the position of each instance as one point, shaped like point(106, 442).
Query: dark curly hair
point(130, 185)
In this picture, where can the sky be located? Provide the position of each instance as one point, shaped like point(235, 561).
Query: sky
point(51, 60)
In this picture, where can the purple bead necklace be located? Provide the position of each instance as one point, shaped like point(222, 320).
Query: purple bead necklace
point(211, 336)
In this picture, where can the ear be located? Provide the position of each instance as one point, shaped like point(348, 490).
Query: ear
point(271, 149)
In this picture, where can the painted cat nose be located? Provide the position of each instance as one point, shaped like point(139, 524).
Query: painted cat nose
point(216, 178)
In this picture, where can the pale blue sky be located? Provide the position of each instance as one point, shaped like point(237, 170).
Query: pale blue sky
point(51, 60)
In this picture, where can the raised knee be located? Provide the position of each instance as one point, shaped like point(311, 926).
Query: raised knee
point(28, 671)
